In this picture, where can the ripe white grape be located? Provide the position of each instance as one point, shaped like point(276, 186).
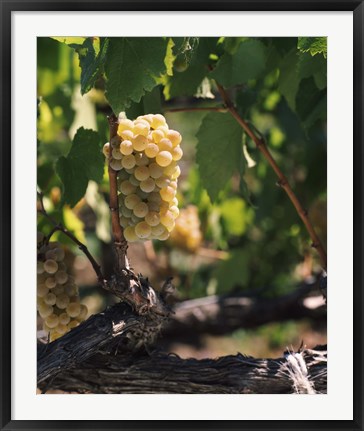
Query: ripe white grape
point(175, 137)
point(59, 252)
point(58, 289)
point(126, 212)
point(124, 221)
point(130, 235)
point(126, 148)
point(157, 121)
point(163, 158)
point(61, 277)
point(174, 210)
point(167, 219)
point(128, 135)
point(141, 159)
point(152, 218)
point(165, 145)
point(83, 312)
point(142, 194)
point(141, 128)
point(163, 181)
point(128, 162)
point(45, 310)
point(155, 197)
point(141, 173)
point(50, 282)
point(106, 150)
point(40, 268)
point(131, 200)
point(125, 125)
point(62, 301)
point(73, 309)
point(42, 290)
point(52, 321)
point(61, 328)
point(147, 185)
point(64, 318)
point(155, 170)
point(176, 173)
point(127, 188)
point(151, 150)
point(141, 209)
point(116, 164)
point(154, 206)
point(157, 135)
point(140, 143)
point(116, 154)
point(169, 170)
point(158, 230)
point(167, 193)
point(177, 153)
point(133, 180)
point(143, 230)
point(164, 236)
point(50, 266)
point(50, 298)
point(73, 324)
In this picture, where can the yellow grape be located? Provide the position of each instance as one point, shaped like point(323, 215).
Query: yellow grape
point(151, 150)
point(83, 312)
point(73, 309)
point(59, 252)
point(165, 145)
point(116, 154)
point(140, 143)
point(143, 230)
point(128, 162)
point(175, 137)
point(167, 193)
point(61, 277)
point(71, 290)
point(126, 148)
point(45, 310)
point(152, 218)
point(169, 170)
point(127, 188)
point(128, 135)
point(125, 125)
point(73, 324)
point(147, 185)
point(153, 206)
point(176, 173)
point(106, 150)
point(164, 236)
point(42, 290)
point(50, 282)
point(62, 301)
point(174, 210)
point(157, 135)
point(163, 158)
point(158, 230)
point(58, 290)
point(64, 318)
point(130, 235)
point(52, 321)
point(131, 200)
point(167, 219)
point(141, 128)
point(155, 170)
point(50, 298)
point(141, 159)
point(141, 209)
point(141, 173)
point(162, 181)
point(61, 328)
point(177, 153)
point(157, 121)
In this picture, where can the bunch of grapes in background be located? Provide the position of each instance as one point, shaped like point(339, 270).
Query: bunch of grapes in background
point(145, 153)
point(187, 234)
point(58, 301)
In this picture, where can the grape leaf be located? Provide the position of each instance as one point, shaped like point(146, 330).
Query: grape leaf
point(289, 79)
point(131, 68)
point(70, 40)
point(150, 103)
point(313, 45)
point(219, 151)
point(84, 162)
point(187, 82)
point(315, 66)
point(247, 63)
point(92, 56)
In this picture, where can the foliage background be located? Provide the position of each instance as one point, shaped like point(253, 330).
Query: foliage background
point(253, 240)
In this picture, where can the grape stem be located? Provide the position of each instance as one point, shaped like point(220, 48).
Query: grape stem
point(120, 243)
point(282, 180)
point(57, 226)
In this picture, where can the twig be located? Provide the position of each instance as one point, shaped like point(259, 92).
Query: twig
point(282, 182)
point(60, 227)
point(189, 109)
point(120, 243)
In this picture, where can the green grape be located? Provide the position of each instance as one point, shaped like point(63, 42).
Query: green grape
point(124, 221)
point(61, 277)
point(45, 310)
point(61, 328)
point(126, 212)
point(64, 318)
point(141, 159)
point(50, 282)
point(155, 197)
point(73, 309)
point(130, 235)
point(52, 321)
point(162, 181)
point(42, 290)
point(62, 301)
point(153, 206)
point(116, 154)
point(50, 298)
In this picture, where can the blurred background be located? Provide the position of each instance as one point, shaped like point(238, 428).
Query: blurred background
point(250, 250)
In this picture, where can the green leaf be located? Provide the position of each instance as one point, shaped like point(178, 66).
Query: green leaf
point(70, 40)
point(234, 215)
point(132, 67)
point(150, 103)
point(84, 162)
point(289, 79)
point(247, 63)
point(311, 103)
point(232, 272)
point(187, 82)
point(219, 151)
point(313, 45)
point(314, 66)
point(92, 56)
point(169, 59)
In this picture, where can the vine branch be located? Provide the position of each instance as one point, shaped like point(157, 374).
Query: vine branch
point(282, 180)
point(120, 243)
point(60, 227)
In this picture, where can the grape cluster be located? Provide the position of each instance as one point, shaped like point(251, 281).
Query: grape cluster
point(187, 234)
point(58, 301)
point(145, 153)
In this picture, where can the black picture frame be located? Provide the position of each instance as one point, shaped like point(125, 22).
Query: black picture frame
point(7, 7)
